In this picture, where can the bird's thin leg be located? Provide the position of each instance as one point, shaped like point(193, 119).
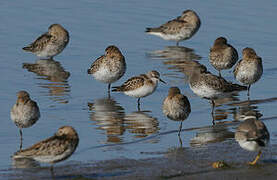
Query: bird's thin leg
point(109, 87)
point(180, 128)
point(138, 104)
point(52, 171)
point(248, 90)
point(256, 159)
point(21, 139)
point(213, 104)
point(219, 73)
point(109, 91)
point(177, 43)
point(180, 141)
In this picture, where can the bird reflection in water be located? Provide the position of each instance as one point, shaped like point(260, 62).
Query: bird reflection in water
point(108, 115)
point(55, 76)
point(141, 124)
point(212, 134)
point(246, 109)
point(175, 57)
point(25, 163)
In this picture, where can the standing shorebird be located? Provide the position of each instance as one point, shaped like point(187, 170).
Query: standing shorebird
point(178, 29)
point(212, 87)
point(54, 149)
point(176, 106)
point(25, 112)
point(50, 43)
point(223, 55)
point(109, 67)
point(250, 69)
point(140, 86)
point(252, 135)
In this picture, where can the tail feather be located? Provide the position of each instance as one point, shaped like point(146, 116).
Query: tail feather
point(238, 87)
point(116, 89)
point(28, 48)
point(149, 30)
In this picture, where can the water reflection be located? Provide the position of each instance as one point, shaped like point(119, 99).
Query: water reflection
point(175, 57)
point(108, 115)
point(213, 134)
point(246, 109)
point(174, 52)
point(25, 163)
point(141, 124)
point(55, 76)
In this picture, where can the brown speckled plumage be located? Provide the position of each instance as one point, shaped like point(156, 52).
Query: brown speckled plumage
point(250, 69)
point(137, 81)
point(61, 145)
point(25, 112)
point(110, 67)
point(50, 43)
point(222, 55)
point(219, 84)
point(176, 106)
point(178, 29)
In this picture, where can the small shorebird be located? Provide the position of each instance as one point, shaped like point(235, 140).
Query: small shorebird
point(250, 69)
point(252, 135)
point(54, 149)
point(140, 86)
point(50, 43)
point(25, 112)
point(223, 55)
point(110, 67)
point(178, 29)
point(212, 87)
point(176, 106)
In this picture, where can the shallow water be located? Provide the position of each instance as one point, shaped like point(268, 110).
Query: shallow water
point(68, 96)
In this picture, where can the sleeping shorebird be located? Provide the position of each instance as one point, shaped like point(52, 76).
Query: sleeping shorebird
point(140, 86)
point(178, 29)
point(25, 112)
point(222, 55)
point(252, 135)
point(211, 87)
point(54, 149)
point(250, 69)
point(176, 106)
point(109, 67)
point(50, 43)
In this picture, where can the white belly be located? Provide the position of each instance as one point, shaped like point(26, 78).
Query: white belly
point(106, 76)
point(206, 92)
point(249, 145)
point(141, 91)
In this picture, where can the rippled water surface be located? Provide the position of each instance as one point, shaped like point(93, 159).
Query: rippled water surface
point(114, 128)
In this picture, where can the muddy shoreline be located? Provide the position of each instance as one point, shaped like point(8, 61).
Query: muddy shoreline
point(173, 163)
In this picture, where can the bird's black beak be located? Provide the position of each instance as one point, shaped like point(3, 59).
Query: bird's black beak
point(162, 81)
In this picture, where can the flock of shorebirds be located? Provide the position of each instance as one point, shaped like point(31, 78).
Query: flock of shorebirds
point(251, 134)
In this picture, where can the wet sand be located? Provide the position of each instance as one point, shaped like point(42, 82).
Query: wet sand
point(173, 163)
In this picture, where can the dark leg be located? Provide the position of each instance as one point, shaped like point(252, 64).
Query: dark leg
point(213, 104)
point(180, 128)
point(52, 171)
point(180, 141)
point(109, 87)
point(109, 91)
point(248, 90)
point(219, 73)
point(177, 44)
point(138, 104)
point(21, 139)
